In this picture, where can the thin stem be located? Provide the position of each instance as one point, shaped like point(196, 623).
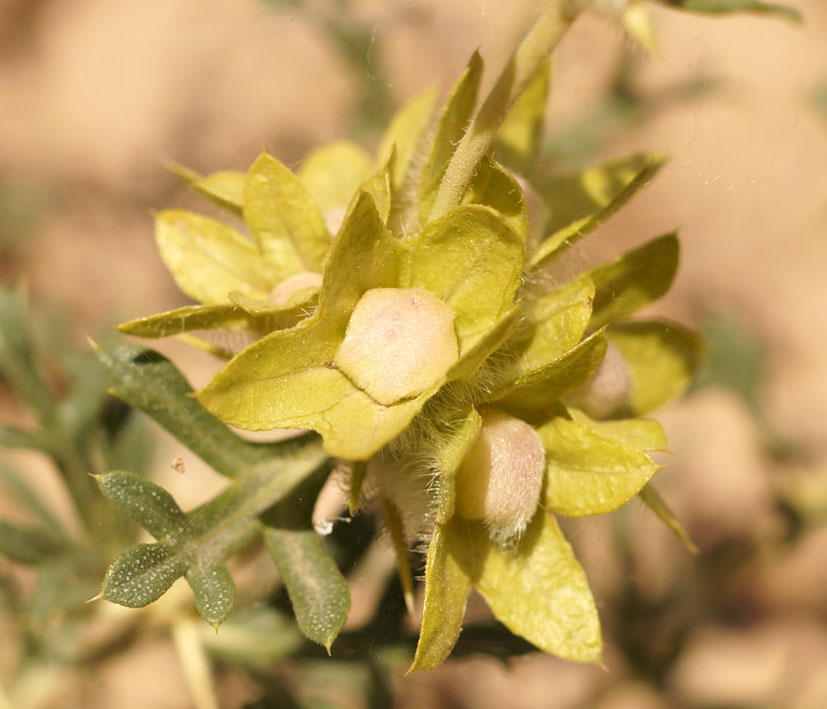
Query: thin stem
point(535, 48)
point(194, 663)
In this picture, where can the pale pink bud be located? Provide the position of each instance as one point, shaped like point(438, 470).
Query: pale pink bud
point(398, 343)
point(500, 479)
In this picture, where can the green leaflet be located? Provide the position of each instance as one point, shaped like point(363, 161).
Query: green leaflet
point(447, 586)
point(721, 6)
point(145, 502)
point(495, 187)
point(521, 135)
point(333, 173)
point(453, 122)
point(213, 590)
point(577, 203)
point(283, 219)
point(530, 391)
point(557, 322)
point(472, 259)
point(661, 357)
point(224, 188)
point(226, 316)
point(208, 259)
point(316, 587)
point(537, 589)
point(641, 434)
point(405, 135)
point(589, 473)
point(635, 279)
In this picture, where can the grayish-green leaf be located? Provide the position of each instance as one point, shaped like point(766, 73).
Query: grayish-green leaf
point(145, 502)
point(316, 587)
point(213, 590)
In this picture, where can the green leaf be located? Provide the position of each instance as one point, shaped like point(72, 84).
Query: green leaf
point(27, 544)
point(447, 586)
point(661, 357)
point(637, 278)
point(224, 188)
point(495, 187)
point(721, 6)
point(405, 135)
point(536, 389)
point(473, 359)
point(557, 323)
point(227, 316)
point(316, 587)
point(521, 135)
point(150, 383)
point(461, 434)
point(656, 503)
point(537, 589)
point(589, 473)
point(145, 502)
point(453, 122)
point(208, 259)
point(285, 380)
point(472, 259)
point(141, 574)
point(333, 173)
point(284, 220)
point(579, 202)
point(144, 572)
point(213, 590)
point(641, 434)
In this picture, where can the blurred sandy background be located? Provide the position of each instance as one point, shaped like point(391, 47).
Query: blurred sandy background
point(96, 95)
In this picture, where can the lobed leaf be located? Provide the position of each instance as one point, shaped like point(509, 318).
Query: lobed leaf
point(472, 259)
point(317, 589)
point(579, 202)
point(141, 574)
point(589, 473)
point(208, 259)
point(661, 357)
point(635, 279)
point(284, 220)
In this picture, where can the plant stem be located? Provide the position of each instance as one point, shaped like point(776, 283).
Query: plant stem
point(535, 47)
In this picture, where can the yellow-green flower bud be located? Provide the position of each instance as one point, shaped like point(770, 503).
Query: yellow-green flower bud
point(500, 479)
point(398, 343)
